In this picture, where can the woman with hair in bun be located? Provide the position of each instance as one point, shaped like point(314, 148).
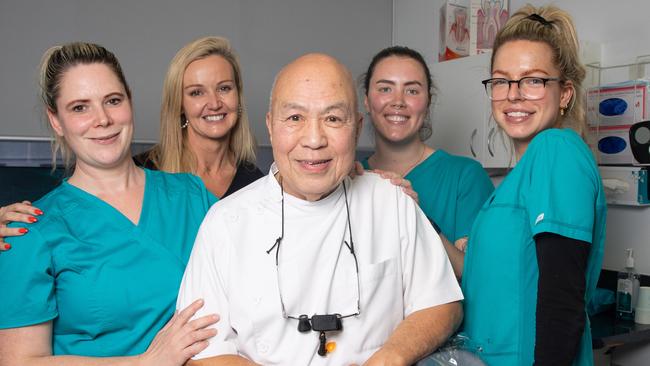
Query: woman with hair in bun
point(95, 280)
point(535, 250)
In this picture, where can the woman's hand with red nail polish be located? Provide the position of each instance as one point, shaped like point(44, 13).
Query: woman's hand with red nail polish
point(17, 212)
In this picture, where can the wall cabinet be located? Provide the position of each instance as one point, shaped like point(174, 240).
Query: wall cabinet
point(462, 121)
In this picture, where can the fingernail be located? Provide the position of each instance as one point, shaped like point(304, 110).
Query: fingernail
point(7, 246)
point(32, 219)
point(38, 212)
point(22, 230)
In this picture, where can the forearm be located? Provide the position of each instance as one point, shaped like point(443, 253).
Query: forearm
point(421, 333)
point(9, 360)
point(229, 360)
point(560, 313)
point(32, 346)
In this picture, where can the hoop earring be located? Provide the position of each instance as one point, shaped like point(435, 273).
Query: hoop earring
point(426, 130)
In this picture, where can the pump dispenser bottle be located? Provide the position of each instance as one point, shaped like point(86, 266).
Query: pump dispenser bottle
point(627, 289)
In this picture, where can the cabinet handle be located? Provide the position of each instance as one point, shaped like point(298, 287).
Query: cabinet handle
point(471, 142)
point(489, 142)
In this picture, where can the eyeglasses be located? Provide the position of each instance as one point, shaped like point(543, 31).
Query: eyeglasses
point(325, 322)
point(530, 87)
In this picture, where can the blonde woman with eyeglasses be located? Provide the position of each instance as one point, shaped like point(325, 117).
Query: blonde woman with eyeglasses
point(535, 250)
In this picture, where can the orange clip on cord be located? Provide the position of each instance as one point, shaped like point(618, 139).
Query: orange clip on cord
point(330, 347)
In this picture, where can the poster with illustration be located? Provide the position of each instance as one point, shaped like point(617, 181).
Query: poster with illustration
point(487, 17)
point(454, 30)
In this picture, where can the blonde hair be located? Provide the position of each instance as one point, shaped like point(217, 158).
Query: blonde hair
point(54, 64)
point(554, 27)
point(172, 154)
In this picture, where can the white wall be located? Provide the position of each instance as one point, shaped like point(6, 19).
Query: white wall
point(145, 34)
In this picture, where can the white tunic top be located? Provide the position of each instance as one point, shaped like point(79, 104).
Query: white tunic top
point(402, 268)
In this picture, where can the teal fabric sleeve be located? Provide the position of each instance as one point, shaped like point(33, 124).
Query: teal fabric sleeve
point(563, 186)
point(365, 164)
point(474, 188)
point(27, 275)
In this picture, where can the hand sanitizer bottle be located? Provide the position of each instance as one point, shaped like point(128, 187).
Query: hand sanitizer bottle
point(627, 289)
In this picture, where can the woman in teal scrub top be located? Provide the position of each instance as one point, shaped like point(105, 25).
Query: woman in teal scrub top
point(96, 277)
point(536, 247)
point(451, 189)
point(203, 81)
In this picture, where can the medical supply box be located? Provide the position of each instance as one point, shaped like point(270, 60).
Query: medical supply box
point(611, 111)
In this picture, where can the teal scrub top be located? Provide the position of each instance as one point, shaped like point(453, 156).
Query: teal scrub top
point(451, 190)
point(107, 284)
point(555, 188)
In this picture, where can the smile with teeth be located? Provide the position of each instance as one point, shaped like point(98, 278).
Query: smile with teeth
point(517, 114)
point(314, 164)
point(396, 118)
point(215, 117)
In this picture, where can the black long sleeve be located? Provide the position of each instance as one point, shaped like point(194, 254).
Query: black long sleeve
point(560, 315)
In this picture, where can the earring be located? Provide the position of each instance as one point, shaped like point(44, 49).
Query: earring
point(562, 110)
point(184, 121)
point(240, 110)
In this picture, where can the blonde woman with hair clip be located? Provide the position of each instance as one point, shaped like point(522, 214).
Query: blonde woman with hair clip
point(95, 281)
point(535, 250)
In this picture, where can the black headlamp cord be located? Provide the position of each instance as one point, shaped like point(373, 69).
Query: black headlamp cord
point(319, 323)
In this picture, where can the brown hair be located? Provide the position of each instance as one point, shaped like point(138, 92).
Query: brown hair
point(402, 51)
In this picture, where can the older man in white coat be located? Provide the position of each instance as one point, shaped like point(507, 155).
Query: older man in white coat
point(308, 267)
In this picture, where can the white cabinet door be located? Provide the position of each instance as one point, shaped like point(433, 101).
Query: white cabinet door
point(461, 115)
point(498, 147)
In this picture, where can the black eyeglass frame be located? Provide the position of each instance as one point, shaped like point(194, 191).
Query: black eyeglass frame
point(518, 82)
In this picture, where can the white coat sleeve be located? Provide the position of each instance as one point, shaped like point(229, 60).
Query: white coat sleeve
point(206, 278)
point(427, 275)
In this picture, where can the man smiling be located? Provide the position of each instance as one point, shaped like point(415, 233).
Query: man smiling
point(306, 266)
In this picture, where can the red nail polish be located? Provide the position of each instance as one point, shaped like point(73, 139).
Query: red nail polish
point(22, 230)
point(38, 212)
point(7, 246)
point(32, 219)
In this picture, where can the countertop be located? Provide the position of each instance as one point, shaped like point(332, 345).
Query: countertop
point(608, 332)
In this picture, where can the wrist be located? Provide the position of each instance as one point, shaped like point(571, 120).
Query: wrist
point(140, 360)
point(391, 356)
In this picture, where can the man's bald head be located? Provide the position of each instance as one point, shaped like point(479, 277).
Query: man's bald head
point(315, 67)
